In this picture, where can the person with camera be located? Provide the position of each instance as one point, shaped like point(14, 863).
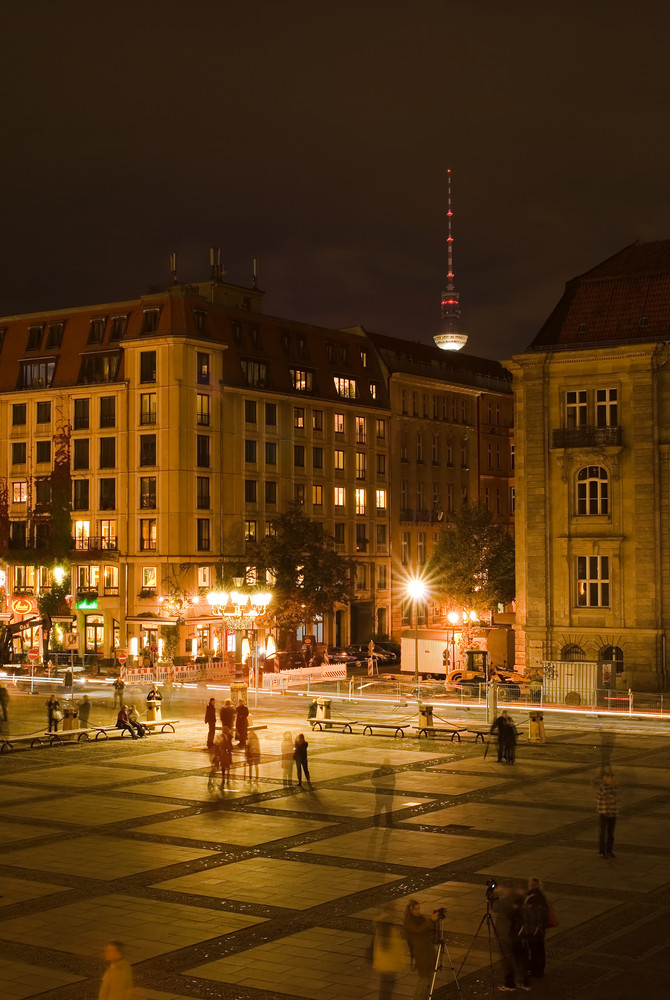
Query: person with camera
point(419, 931)
point(509, 927)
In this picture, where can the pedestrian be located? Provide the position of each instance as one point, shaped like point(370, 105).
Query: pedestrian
point(535, 923)
point(241, 723)
point(4, 702)
point(136, 723)
point(607, 801)
point(54, 713)
point(119, 685)
point(311, 711)
point(419, 933)
point(123, 722)
point(227, 714)
point(117, 982)
point(287, 758)
point(389, 952)
point(154, 699)
point(383, 780)
point(504, 728)
point(84, 712)
point(509, 928)
point(300, 758)
point(252, 753)
point(210, 721)
point(226, 756)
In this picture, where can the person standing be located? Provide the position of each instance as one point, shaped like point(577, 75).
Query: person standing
point(509, 927)
point(210, 721)
point(119, 685)
point(252, 753)
point(241, 723)
point(389, 952)
point(300, 757)
point(84, 712)
point(226, 756)
point(607, 802)
point(503, 728)
point(419, 933)
point(287, 758)
point(227, 714)
point(154, 699)
point(4, 702)
point(54, 713)
point(535, 923)
point(117, 982)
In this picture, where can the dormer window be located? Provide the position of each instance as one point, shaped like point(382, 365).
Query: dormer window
point(118, 328)
point(96, 330)
point(34, 338)
point(150, 319)
point(55, 335)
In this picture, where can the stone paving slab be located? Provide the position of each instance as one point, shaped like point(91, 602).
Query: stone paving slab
point(97, 857)
point(21, 980)
point(365, 753)
point(79, 775)
point(335, 802)
point(148, 927)
point(90, 810)
point(193, 787)
point(463, 784)
point(575, 794)
point(182, 759)
point(442, 783)
point(504, 818)
point(11, 832)
point(18, 890)
point(417, 849)
point(245, 829)
point(525, 766)
point(321, 770)
point(278, 883)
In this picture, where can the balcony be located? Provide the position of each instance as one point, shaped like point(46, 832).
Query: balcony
point(586, 437)
point(422, 516)
point(94, 543)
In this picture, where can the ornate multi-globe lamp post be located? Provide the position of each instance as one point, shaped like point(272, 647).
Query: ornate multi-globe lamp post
point(242, 611)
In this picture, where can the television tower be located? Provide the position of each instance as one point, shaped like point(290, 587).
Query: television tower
point(449, 336)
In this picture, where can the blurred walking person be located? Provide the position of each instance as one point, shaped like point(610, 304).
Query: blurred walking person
point(287, 757)
point(509, 926)
point(420, 937)
point(210, 721)
point(300, 757)
point(54, 713)
point(241, 724)
point(117, 982)
point(535, 923)
point(4, 702)
point(607, 802)
point(119, 685)
point(389, 952)
point(84, 712)
point(227, 714)
point(252, 753)
point(226, 756)
point(383, 780)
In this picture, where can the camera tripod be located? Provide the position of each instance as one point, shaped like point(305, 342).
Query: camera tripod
point(487, 921)
point(441, 950)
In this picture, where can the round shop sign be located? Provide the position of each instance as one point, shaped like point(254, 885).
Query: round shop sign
point(24, 605)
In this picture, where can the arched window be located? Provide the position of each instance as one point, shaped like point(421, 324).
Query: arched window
point(593, 490)
point(573, 653)
point(613, 655)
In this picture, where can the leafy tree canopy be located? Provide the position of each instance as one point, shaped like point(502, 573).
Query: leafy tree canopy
point(472, 564)
point(310, 577)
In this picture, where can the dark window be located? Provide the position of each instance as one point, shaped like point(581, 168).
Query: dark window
point(250, 491)
point(19, 453)
point(17, 534)
point(147, 366)
point(361, 538)
point(255, 337)
point(148, 492)
point(148, 408)
point(250, 411)
point(108, 411)
point(82, 408)
point(202, 451)
point(147, 534)
point(203, 534)
point(270, 452)
point(202, 368)
point(55, 335)
point(381, 465)
point(43, 491)
point(200, 320)
point(18, 414)
point(147, 449)
point(339, 532)
point(202, 493)
point(44, 412)
point(99, 368)
point(107, 494)
point(250, 451)
point(34, 338)
point(36, 374)
point(150, 320)
point(317, 420)
point(299, 455)
point(118, 329)
point(80, 454)
point(80, 494)
point(43, 451)
point(317, 458)
point(96, 330)
point(107, 453)
point(271, 492)
point(285, 342)
point(271, 414)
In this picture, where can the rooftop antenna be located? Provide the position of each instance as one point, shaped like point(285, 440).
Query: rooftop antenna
point(255, 273)
point(173, 268)
point(449, 336)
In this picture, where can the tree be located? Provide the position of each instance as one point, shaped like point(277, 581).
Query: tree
point(472, 564)
point(309, 576)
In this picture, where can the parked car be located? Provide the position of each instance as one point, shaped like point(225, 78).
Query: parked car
point(336, 654)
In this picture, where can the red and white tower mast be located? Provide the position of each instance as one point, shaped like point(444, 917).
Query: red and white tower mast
point(449, 336)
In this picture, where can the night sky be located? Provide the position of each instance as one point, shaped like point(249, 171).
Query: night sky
point(316, 136)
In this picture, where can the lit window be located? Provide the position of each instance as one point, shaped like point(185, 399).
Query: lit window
point(147, 533)
point(364, 358)
point(299, 417)
point(593, 581)
point(373, 389)
point(338, 423)
point(149, 578)
point(360, 430)
point(317, 496)
point(380, 499)
point(202, 411)
point(301, 380)
point(250, 531)
point(37, 374)
point(607, 407)
point(148, 408)
point(361, 500)
point(381, 429)
point(20, 491)
point(338, 459)
point(576, 412)
point(346, 387)
point(338, 496)
point(360, 465)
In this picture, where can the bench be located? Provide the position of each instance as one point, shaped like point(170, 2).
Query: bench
point(398, 728)
point(8, 743)
point(106, 732)
point(339, 724)
point(453, 731)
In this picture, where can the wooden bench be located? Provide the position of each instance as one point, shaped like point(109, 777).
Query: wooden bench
point(338, 724)
point(106, 732)
point(454, 732)
point(8, 743)
point(398, 729)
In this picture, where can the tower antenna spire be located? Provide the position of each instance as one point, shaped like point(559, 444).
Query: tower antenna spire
point(449, 336)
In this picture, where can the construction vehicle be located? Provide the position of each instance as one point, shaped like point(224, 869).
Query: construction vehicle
point(10, 630)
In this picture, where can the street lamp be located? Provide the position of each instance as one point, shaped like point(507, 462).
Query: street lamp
point(239, 610)
point(416, 589)
point(453, 621)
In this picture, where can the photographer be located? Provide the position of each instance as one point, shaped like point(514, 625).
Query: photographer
point(419, 933)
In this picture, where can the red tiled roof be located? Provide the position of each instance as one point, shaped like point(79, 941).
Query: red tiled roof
point(626, 298)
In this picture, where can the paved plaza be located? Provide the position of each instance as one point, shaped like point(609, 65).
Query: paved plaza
point(264, 892)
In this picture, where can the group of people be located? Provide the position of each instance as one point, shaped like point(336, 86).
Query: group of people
point(504, 729)
point(234, 725)
point(522, 920)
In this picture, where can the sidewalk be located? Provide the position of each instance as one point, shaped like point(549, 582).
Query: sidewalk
point(265, 893)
